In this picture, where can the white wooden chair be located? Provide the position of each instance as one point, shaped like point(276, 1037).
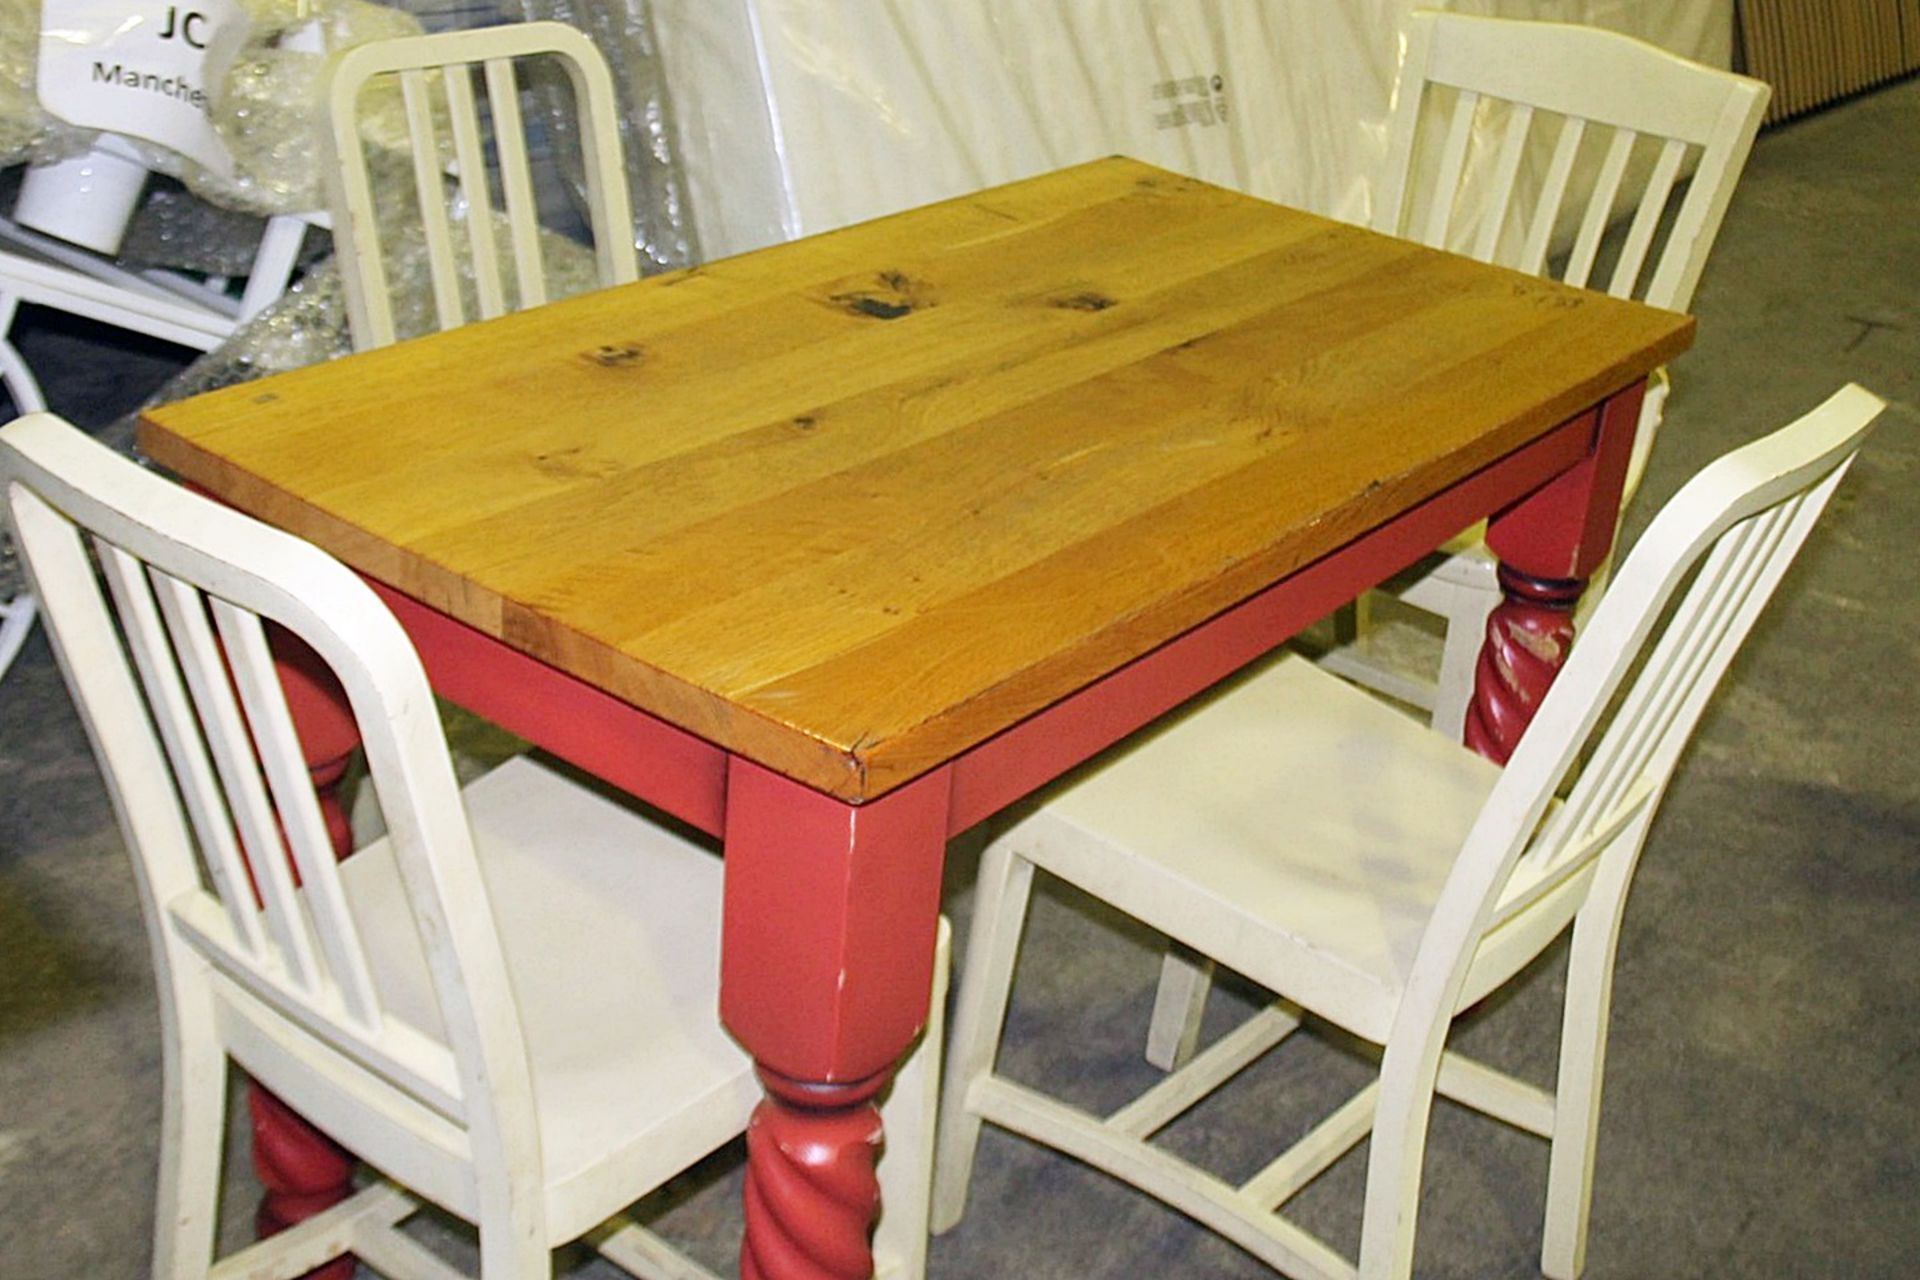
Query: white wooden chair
point(1601, 102)
point(473, 69)
point(1606, 105)
point(1379, 876)
point(508, 1005)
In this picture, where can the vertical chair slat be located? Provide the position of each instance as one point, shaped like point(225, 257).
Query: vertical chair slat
point(356, 226)
point(471, 159)
point(523, 219)
point(1629, 740)
point(1553, 193)
point(1721, 588)
point(205, 667)
point(430, 187)
point(1453, 163)
point(146, 638)
point(1513, 146)
point(1600, 206)
point(597, 115)
point(265, 702)
point(1646, 219)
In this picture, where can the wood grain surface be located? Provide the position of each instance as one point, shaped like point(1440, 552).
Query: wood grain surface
point(851, 505)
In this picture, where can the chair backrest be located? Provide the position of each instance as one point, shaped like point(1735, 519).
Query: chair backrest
point(173, 670)
point(1614, 97)
point(1734, 529)
point(478, 96)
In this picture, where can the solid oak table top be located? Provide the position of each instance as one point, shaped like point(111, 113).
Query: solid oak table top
point(851, 505)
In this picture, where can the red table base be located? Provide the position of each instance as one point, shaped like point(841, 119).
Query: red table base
point(831, 907)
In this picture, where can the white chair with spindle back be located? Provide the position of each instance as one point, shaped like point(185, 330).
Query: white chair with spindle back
point(507, 1006)
point(471, 69)
point(1377, 875)
point(1604, 102)
point(1611, 95)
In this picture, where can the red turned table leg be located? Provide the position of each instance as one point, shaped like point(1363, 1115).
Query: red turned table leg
point(826, 962)
point(302, 1169)
point(1549, 544)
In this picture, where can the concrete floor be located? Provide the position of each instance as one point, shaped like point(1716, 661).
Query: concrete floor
point(1761, 1117)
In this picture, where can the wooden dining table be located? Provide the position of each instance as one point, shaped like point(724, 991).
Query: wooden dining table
point(837, 548)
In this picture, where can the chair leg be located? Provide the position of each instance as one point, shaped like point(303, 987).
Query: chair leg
point(993, 943)
point(1583, 1048)
point(1179, 1004)
point(1395, 1158)
point(1460, 659)
point(193, 1122)
point(1352, 620)
point(907, 1117)
point(504, 1257)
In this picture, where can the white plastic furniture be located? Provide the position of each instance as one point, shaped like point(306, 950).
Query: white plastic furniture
point(195, 313)
point(1379, 876)
point(507, 1006)
point(472, 69)
point(40, 270)
point(1611, 118)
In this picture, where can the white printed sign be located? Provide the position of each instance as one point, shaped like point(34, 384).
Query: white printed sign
point(142, 68)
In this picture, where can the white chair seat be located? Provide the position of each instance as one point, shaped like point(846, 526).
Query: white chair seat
point(1290, 804)
point(1365, 868)
point(628, 906)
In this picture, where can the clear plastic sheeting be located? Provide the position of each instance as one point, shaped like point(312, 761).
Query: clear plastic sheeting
point(177, 230)
point(794, 116)
point(27, 132)
point(623, 31)
point(267, 111)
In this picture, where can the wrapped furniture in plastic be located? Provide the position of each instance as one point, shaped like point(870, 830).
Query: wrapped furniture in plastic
point(794, 117)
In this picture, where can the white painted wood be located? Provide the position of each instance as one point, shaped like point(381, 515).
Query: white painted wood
point(439, 75)
point(1594, 93)
point(1000, 897)
point(1384, 878)
point(1289, 1173)
point(1179, 1007)
point(1194, 1192)
point(1225, 1058)
point(507, 1004)
point(908, 1114)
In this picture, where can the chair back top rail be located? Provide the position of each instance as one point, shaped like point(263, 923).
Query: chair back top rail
point(1613, 95)
point(450, 171)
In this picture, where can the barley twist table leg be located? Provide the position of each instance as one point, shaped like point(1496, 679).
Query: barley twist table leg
point(829, 935)
point(812, 1192)
point(1528, 635)
point(1549, 543)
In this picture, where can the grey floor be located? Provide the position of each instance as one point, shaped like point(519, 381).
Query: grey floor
point(1761, 1116)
